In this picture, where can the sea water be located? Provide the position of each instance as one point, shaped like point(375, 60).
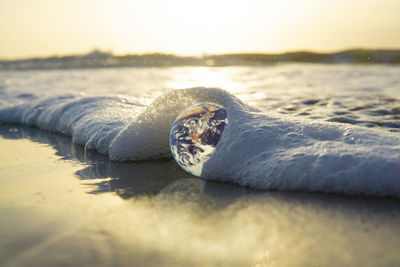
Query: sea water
point(306, 127)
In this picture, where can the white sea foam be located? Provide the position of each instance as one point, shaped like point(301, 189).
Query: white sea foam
point(91, 121)
point(260, 150)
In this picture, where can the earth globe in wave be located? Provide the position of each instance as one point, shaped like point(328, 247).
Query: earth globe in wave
point(195, 134)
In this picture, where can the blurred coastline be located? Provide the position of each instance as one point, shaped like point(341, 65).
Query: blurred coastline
point(102, 59)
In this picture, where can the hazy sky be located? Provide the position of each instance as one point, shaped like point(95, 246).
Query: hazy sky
point(49, 27)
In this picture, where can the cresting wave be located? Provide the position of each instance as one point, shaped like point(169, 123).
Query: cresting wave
point(260, 150)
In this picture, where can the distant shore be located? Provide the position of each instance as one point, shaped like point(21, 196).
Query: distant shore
point(100, 59)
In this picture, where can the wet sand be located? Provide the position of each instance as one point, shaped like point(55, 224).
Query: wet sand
point(61, 205)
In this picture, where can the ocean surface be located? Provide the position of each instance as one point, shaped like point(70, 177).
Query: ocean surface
point(307, 172)
point(306, 127)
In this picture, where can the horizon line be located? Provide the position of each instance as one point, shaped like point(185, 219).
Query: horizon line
point(200, 55)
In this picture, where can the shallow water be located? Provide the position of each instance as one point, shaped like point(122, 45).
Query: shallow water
point(64, 206)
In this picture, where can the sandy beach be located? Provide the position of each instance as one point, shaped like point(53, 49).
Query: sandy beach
point(64, 206)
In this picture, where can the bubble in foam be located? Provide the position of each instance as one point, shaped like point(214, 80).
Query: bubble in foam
point(195, 134)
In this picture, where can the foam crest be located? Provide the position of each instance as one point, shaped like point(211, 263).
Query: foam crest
point(91, 121)
point(267, 151)
point(147, 137)
point(260, 150)
point(273, 151)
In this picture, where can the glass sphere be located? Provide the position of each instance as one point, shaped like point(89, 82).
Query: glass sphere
point(195, 133)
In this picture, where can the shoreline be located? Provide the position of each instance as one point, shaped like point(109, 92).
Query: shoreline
point(83, 208)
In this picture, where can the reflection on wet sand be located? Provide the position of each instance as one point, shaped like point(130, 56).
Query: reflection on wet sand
point(162, 216)
point(127, 179)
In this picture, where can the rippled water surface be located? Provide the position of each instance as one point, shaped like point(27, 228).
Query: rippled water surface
point(367, 95)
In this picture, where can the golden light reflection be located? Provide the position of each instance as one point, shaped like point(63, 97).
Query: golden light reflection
point(203, 76)
point(231, 79)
